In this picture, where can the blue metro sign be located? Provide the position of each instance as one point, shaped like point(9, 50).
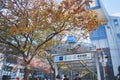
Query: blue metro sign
point(71, 39)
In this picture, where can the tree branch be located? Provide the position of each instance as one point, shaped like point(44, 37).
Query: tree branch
point(2, 40)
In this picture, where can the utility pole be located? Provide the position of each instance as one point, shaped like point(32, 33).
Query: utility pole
point(103, 60)
point(98, 67)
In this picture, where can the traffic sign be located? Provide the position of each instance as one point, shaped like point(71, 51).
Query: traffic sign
point(73, 57)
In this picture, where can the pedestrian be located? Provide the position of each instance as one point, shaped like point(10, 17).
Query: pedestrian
point(17, 78)
point(65, 77)
point(46, 78)
point(77, 77)
point(118, 75)
point(58, 77)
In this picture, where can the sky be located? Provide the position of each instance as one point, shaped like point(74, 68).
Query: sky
point(112, 6)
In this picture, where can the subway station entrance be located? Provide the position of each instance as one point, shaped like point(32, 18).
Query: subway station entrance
point(72, 59)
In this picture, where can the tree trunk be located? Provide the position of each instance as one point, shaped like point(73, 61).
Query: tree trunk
point(26, 73)
point(54, 74)
point(27, 67)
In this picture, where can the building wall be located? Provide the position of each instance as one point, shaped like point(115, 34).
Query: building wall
point(100, 40)
point(112, 39)
point(113, 33)
point(113, 30)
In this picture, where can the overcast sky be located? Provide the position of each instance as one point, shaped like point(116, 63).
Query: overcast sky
point(112, 6)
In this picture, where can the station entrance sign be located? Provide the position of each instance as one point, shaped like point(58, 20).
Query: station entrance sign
point(73, 57)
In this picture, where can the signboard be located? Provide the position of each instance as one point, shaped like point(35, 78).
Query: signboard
point(73, 57)
point(71, 39)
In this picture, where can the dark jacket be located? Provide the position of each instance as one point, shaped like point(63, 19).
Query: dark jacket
point(118, 77)
point(77, 79)
point(65, 79)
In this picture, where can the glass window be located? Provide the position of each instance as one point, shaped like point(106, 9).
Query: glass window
point(118, 35)
point(8, 68)
point(95, 4)
point(115, 22)
point(21, 70)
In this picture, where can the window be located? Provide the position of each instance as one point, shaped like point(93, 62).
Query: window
point(118, 35)
point(21, 70)
point(115, 22)
point(8, 68)
point(95, 4)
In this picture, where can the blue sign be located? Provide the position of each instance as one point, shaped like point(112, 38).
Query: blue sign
point(56, 58)
point(71, 39)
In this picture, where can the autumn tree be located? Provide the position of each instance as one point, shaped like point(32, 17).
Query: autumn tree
point(27, 26)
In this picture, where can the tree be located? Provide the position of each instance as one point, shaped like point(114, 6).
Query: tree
point(27, 26)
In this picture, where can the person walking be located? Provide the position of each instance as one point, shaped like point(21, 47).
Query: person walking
point(77, 77)
point(58, 77)
point(65, 77)
point(118, 75)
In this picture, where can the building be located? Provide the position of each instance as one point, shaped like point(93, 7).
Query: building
point(107, 38)
point(113, 33)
